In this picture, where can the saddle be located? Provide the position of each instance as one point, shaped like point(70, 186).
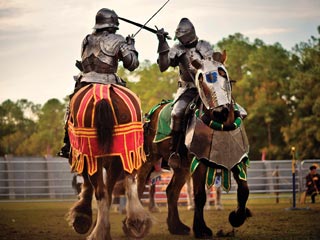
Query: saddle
point(163, 125)
point(164, 119)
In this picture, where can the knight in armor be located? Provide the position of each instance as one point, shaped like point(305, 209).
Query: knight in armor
point(182, 54)
point(101, 52)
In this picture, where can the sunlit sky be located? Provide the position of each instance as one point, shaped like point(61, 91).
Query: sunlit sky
point(41, 39)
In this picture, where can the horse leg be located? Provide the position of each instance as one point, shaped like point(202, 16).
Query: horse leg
point(175, 226)
point(142, 176)
point(217, 202)
point(200, 229)
point(103, 198)
point(190, 201)
point(207, 205)
point(137, 222)
point(238, 216)
point(114, 180)
point(80, 214)
point(153, 207)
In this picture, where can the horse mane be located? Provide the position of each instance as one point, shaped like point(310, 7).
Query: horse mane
point(104, 122)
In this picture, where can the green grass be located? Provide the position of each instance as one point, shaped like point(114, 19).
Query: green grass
point(46, 221)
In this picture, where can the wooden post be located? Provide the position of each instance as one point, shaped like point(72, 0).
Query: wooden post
point(293, 150)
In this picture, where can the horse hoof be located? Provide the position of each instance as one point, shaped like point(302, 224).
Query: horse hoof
point(204, 234)
point(136, 229)
point(236, 219)
point(182, 230)
point(82, 223)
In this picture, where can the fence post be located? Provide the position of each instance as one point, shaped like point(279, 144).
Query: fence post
point(276, 187)
point(50, 177)
point(293, 150)
point(10, 177)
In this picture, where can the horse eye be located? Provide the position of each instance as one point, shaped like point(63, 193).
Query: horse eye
point(222, 72)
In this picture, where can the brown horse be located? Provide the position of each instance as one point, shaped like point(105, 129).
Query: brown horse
point(106, 132)
point(218, 113)
point(160, 152)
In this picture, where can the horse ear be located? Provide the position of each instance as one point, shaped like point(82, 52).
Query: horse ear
point(196, 63)
point(224, 56)
point(220, 57)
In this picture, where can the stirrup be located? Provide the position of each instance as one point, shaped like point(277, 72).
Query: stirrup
point(174, 160)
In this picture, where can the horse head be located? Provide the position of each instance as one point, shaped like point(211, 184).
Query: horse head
point(214, 87)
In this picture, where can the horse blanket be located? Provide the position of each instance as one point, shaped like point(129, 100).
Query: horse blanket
point(127, 138)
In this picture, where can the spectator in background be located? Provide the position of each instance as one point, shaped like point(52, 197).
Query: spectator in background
point(313, 183)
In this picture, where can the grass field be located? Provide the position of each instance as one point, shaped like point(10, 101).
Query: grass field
point(46, 221)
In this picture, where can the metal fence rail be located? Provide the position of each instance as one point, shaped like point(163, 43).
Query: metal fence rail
point(23, 178)
point(33, 178)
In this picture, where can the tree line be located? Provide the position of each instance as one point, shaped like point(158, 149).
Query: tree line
point(278, 88)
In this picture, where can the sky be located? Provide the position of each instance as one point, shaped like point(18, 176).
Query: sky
point(40, 40)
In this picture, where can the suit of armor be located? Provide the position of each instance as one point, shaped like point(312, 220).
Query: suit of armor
point(181, 55)
point(101, 52)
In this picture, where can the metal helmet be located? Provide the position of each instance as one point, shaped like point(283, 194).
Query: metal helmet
point(185, 32)
point(106, 18)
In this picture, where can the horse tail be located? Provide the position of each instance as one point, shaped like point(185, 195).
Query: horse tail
point(104, 122)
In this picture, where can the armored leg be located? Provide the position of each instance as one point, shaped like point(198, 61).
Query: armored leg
point(177, 127)
point(174, 160)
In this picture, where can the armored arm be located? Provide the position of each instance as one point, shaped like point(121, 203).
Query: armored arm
point(163, 50)
point(129, 54)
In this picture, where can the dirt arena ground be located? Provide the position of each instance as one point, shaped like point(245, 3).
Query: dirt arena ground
point(46, 221)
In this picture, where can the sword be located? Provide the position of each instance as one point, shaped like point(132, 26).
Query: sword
point(143, 26)
point(151, 18)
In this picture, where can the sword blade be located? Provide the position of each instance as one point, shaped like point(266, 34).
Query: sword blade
point(141, 26)
point(151, 17)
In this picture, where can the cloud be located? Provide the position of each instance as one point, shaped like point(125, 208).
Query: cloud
point(266, 31)
point(8, 12)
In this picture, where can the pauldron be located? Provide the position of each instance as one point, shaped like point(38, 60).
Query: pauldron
point(205, 49)
point(111, 43)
